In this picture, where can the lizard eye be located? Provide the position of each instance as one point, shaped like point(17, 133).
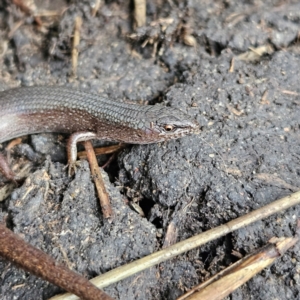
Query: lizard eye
point(168, 128)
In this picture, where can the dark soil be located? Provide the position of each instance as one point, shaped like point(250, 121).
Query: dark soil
point(247, 155)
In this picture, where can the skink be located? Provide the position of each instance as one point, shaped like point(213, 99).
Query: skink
point(85, 116)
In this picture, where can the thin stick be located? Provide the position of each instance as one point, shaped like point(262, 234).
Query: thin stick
point(28, 8)
point(35, 261)
point(231, 69)
point(189, 244)
point(95, 8)
point(139, 12)
point(99, 183)
point(76, 41)
point(225, 282)
point(103, 150)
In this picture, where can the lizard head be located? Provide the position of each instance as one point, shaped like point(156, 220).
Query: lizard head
point(165, 123)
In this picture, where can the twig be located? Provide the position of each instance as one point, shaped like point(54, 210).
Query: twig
point(231, 69)
point(35, 261)
point(95, 170)
point(189, 244)
point(50, 13)
point(29, 8)
point(95, 8)
point(292, 93)
point(16, 26)
point(6, 190)
point(76, 41)
point(103, 150)
point(225, 282)
point(139, 12)
point(264, 98)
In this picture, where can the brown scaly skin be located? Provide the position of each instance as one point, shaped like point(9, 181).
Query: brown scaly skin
point(87, 116)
